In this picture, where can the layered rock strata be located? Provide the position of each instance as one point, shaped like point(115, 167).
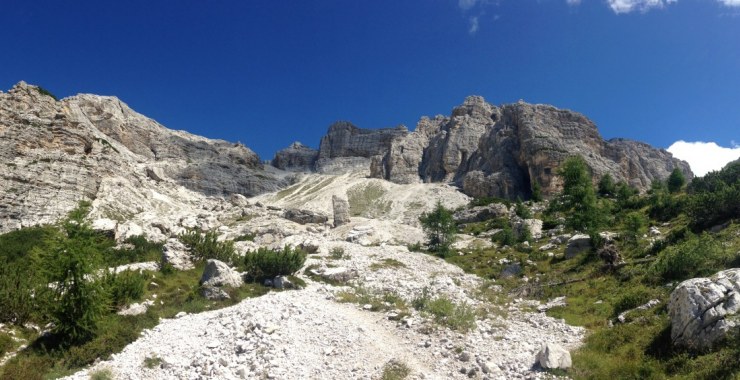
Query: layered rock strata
point(493, 151)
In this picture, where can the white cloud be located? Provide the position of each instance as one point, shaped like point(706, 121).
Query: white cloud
point(473, 25)
point(627, 6)
point(704, 157)
point(730, 3)
point(573, 2)
point(466, 4)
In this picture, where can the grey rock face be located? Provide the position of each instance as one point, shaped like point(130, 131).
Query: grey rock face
point(481, 213)
point(344, 140)
point(341, 210)
point(296, 157)
point(56, 153)
point(176, 254)
point(704, 311)
point(304, 216)
point(493, 151)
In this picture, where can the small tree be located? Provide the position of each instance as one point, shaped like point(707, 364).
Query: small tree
point(579, 197)
point(536, 192)
point(607, 187)
point(440, 228)
point(70, 259)
point(676, 181)
point(634, 226)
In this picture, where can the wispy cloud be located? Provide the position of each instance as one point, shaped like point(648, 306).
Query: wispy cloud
point(573, 3)
point(627, 6)
point(466, 4)
point(473, 25)
point(704, 157)
point(730, 3)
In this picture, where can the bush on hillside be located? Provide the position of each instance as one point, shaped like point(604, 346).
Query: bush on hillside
point(266, 263)
point(206, 246)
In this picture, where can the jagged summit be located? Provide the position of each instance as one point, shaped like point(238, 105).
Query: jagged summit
point(488, 150)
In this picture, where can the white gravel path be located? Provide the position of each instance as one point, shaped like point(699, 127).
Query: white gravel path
point(306, 334)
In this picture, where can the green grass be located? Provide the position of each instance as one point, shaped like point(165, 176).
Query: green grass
point(459, 317)
point(366, 200)
point(386, 264)
point(152, 361)
point(395, 370)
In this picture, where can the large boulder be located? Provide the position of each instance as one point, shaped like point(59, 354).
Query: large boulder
point(552, 355)
point(305, 216)
point(577, 244)
point(341, 210)
point(219, 274)
point(704, 311)
point(175, 253)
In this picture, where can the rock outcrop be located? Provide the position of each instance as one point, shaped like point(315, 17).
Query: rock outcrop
point(56, 153)
point(704, 311)
point(492, 151)
point(347, 147)
point(296, 157)
point(340, 207)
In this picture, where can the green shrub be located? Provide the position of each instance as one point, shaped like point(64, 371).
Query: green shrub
point(395, 370)
point(522, 211)
point(266, 263)
point(46, 92)
point(633, 297)
point(696, 256)
point(635, 224)
point(26, 368)
point(445, 312)
point(676, 181)
point(206, 246)
point(337, 253)
point(124, 288)
point(6, 343)
point(246, 237)
point(143, 250)
point(505, 237)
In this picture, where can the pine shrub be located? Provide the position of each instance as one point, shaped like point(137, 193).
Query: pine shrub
point(266, 263)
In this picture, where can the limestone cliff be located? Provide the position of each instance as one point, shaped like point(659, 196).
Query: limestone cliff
point(55, 153)
point(493, 151)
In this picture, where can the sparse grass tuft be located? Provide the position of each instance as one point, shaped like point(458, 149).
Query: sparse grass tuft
point(395, 370)
point(387, 263)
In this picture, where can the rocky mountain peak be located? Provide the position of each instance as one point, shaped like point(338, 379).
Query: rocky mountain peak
point(490, 150)
point(58, 152)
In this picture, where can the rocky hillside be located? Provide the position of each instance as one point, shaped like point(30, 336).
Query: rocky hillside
point(55, 153)
point(486, 150)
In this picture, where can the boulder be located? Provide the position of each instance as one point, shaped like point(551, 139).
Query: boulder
point(511, 270)
point(219, 274)
point(304, 216)
point(704, 311)
point(552, 356)
point(535, 227)
point(213, 293)
point(341, 210)
point(282, 282)
point(175, 253)
point(156, 174)
point(106, 226)
point(577, 244)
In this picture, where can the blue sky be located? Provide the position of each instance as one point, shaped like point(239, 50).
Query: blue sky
point(267, 73)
